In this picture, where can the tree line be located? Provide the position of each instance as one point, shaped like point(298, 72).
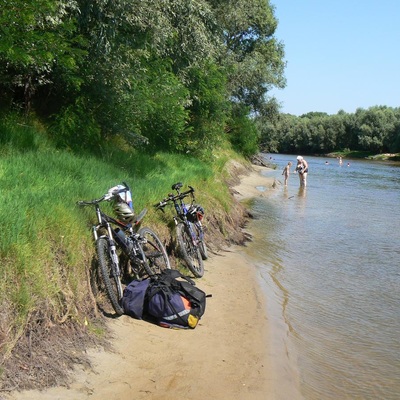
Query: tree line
point(178, 75)
point(375, 130)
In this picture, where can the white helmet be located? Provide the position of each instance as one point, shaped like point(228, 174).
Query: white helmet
point(124, 212)
point(299, 158)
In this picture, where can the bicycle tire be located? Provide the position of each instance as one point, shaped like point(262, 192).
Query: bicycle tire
point(154, 251)
point(139, 264)
point(112, 281)
point(189, 253)
point(201, 243)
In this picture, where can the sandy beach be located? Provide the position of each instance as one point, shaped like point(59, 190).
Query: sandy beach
point(227, 356)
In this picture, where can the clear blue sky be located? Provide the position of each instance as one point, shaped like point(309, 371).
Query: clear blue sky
point(340, 54)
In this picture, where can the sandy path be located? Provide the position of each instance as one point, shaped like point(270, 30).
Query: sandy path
point(225, 357)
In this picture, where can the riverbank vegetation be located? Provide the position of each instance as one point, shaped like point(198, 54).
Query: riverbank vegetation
point(364, 133)
point(170, 76)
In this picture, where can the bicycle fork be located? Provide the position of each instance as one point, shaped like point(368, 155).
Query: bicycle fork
point(116, 271)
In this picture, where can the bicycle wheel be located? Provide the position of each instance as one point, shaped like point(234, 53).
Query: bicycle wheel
point(188, 251)
point(201, 243)
point(139, 263)
point(154, 250)
point(109, 275)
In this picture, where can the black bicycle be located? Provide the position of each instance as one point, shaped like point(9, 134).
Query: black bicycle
point(123, 249)
point(189, 231)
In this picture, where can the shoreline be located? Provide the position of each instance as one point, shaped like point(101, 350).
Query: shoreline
point(227, 356)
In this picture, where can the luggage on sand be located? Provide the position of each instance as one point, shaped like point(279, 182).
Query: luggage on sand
point(170, 299)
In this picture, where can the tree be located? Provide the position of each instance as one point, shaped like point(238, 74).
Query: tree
point(36, 39)
point(252, 56)
point(248, 143)
point(171, 74)
point(375, 127)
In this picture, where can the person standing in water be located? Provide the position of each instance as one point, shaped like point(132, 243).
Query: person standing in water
point(286, 172)
point(302, 170)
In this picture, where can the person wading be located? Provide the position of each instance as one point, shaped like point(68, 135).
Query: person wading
point(286, 173)
point(302, 170)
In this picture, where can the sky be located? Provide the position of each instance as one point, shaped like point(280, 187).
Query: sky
point(340, 54)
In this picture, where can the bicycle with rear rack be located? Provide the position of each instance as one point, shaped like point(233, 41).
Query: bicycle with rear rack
point(124, 250)
point(189, 230)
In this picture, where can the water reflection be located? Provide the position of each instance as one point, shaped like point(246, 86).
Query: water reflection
point(301, 200)
point(302, 192)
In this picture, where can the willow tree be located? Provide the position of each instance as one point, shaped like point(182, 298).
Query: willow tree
point(38, 41)
point(252, 55)
point(173, 74)
point(140, 74)
point(253, 60)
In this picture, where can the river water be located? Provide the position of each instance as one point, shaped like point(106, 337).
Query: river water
point(329, 260)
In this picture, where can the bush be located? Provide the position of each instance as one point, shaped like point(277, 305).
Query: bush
point(243, 133)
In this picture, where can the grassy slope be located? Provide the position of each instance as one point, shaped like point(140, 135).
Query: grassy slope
point(46, 245)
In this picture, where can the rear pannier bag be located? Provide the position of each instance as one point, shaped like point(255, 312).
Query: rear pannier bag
point(170, 299)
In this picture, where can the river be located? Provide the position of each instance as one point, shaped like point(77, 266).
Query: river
point(329, 260)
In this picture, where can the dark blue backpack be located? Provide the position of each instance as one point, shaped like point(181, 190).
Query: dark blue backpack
point(133, 298)
point(170, 299)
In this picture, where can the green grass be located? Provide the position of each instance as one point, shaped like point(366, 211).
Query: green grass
point(46, 244)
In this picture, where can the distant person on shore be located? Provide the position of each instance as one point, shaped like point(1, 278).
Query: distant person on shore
point(302, 170)
point(286, 173)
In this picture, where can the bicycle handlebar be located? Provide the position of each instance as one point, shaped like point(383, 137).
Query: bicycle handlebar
point(112, 192)
point(171, 197)
point(91, 202)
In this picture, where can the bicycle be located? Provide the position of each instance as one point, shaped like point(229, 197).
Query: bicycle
point(189, 230)
point(114, 238)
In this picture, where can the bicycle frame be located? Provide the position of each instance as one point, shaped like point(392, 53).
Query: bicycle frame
point(114, 238)
point(132, 237)
point(131, 250)
point(182, 211)
point(191, 215)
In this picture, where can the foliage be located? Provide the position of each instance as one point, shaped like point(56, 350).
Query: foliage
point(162, 75)
point(75, 127)
point(244, 144)
point(37, 38)
point(208, 109)
point(252, 55)
point(374, 130)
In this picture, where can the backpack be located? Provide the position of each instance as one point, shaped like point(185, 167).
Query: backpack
point(169, 298)
point(133, 298)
